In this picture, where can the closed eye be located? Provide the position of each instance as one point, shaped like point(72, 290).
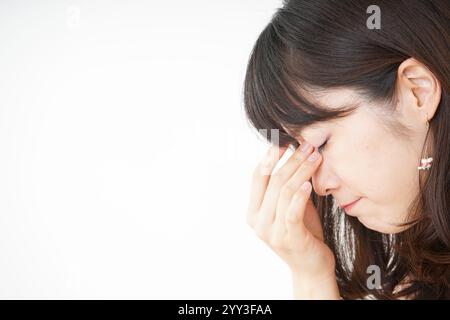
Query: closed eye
point(320, 148)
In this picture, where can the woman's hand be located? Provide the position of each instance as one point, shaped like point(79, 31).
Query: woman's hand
point(283, 215)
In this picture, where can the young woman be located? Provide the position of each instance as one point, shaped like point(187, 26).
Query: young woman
point(373, 107)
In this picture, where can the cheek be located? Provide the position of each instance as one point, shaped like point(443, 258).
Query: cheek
point(389, 172)
point(365, 164)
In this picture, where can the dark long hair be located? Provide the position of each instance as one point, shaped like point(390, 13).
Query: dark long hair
point(313, 44)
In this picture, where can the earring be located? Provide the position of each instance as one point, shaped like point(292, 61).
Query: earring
point(426, 162)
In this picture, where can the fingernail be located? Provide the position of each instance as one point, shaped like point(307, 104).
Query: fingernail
point(305, 186)
point(314, 156)
point(305, 146)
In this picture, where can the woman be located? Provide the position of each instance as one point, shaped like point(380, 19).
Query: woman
point(373, 105)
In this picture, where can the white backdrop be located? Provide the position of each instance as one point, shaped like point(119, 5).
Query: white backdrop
point(125, 156)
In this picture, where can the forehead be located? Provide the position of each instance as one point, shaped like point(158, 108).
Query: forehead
point(331, 99)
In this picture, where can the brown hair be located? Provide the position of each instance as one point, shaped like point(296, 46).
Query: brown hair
point(314, 44)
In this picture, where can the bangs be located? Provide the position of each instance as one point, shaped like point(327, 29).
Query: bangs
point(272, 90)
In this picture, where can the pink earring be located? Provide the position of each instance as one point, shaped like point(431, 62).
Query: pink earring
point(426, 162)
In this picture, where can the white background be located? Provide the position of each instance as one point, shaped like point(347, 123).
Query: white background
point(125, 155)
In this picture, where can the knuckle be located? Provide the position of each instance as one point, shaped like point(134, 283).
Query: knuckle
point(308, 165)
point(261, 170)
point(288, 190)
point(261, 233)
point(298, 196)
point(276, 242)
point(291, 219)
point(279, 177)
point(299, 156)
point(257, 173)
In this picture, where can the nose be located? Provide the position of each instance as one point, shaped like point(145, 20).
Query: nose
point(324, 179)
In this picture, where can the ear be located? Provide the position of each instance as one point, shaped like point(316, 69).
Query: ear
point(420, 87)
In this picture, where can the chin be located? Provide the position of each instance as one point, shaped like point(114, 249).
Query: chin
point(379, 226)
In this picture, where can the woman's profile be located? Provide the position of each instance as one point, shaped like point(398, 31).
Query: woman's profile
point(361, 209)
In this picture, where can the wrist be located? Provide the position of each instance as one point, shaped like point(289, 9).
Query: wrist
point(322, 287)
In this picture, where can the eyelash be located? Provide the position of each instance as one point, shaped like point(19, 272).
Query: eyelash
point(320, 148)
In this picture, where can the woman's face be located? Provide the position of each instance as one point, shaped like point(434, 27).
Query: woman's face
point(363, 160)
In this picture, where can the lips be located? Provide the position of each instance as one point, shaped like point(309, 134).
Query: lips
point(346, 206)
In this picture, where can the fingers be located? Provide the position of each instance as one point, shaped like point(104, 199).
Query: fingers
point(309, 163)
point(279, 192)
point(303, 173)
point(295, 212)
point(291, 187)
point(291, 165)
point(279, 179)
point(260, 180)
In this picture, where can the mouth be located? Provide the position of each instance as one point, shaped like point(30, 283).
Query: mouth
point(350, 205)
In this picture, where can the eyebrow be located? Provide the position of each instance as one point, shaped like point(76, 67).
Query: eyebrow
point(300, 133)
